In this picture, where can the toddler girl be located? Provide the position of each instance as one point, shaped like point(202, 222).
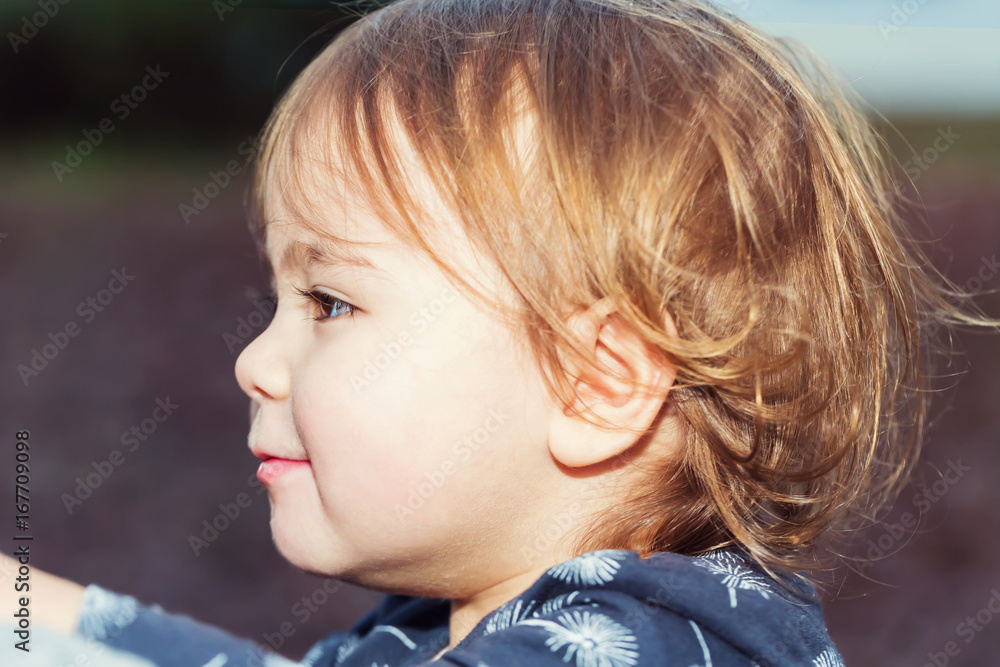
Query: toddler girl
point(595, 325)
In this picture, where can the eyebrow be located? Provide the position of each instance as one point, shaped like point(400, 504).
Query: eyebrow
point(319, 253)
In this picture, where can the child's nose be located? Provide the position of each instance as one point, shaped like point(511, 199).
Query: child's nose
point(261, 370)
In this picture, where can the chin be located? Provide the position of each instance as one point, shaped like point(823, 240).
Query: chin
point(329, 561)
point(307, 542)
point(297, 539)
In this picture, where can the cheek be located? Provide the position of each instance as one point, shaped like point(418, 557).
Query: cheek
point(431, 426)
point(374, 438)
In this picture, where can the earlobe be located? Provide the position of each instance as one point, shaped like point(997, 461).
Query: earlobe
point(614, 398)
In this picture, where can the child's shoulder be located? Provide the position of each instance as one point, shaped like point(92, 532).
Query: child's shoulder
point(614, 608)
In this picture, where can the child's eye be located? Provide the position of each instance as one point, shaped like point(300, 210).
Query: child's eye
point(326, 301)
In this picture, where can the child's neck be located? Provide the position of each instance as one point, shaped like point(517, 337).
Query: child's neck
point(468, 612)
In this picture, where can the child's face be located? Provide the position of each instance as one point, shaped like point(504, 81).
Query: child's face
point(422, 420)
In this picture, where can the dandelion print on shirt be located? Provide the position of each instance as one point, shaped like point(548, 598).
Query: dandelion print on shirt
point(517, 610)
point(828, 659)
point(591, 569)
point(606, 608)
point(735, 574)
point(347, 647)
point(593, 639)
point(104, 613)
point(704, 647)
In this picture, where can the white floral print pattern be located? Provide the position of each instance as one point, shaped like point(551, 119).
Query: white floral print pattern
point(314, 654)
point(102, 610)
point(591, 569)
point(399, 634)
point(516, 611)
point(594, 639)
point(828, 658)
point(735, 575)
point(704, 647)
point(347, 647)
point(558, 602)
point(510, 613)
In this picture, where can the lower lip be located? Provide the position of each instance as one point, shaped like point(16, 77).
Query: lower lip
point(272, 469)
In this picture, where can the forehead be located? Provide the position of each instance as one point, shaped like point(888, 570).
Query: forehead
point(296, 248)
point(316, 212)
point(326, 205)
point(314, 216)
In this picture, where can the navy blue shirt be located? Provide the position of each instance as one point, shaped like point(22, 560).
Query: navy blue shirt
point(607, 608)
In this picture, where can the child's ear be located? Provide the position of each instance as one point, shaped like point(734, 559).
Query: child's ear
point(620, 349)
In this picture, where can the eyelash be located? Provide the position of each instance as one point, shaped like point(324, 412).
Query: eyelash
point(315, 297)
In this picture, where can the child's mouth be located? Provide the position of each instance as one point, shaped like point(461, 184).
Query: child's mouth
point(272, 468)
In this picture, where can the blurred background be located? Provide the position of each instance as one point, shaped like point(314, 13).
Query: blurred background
point(119, 126)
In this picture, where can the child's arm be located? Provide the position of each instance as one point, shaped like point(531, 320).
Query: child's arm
point(54, 601)
point(167, 640)
point(92, 618)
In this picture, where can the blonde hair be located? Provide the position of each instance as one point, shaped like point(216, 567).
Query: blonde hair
point(679, 162)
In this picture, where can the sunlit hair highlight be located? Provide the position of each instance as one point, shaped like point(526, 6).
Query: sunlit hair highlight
point(669, 157)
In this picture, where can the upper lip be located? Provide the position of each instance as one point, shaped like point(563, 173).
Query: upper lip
point(261, 454)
